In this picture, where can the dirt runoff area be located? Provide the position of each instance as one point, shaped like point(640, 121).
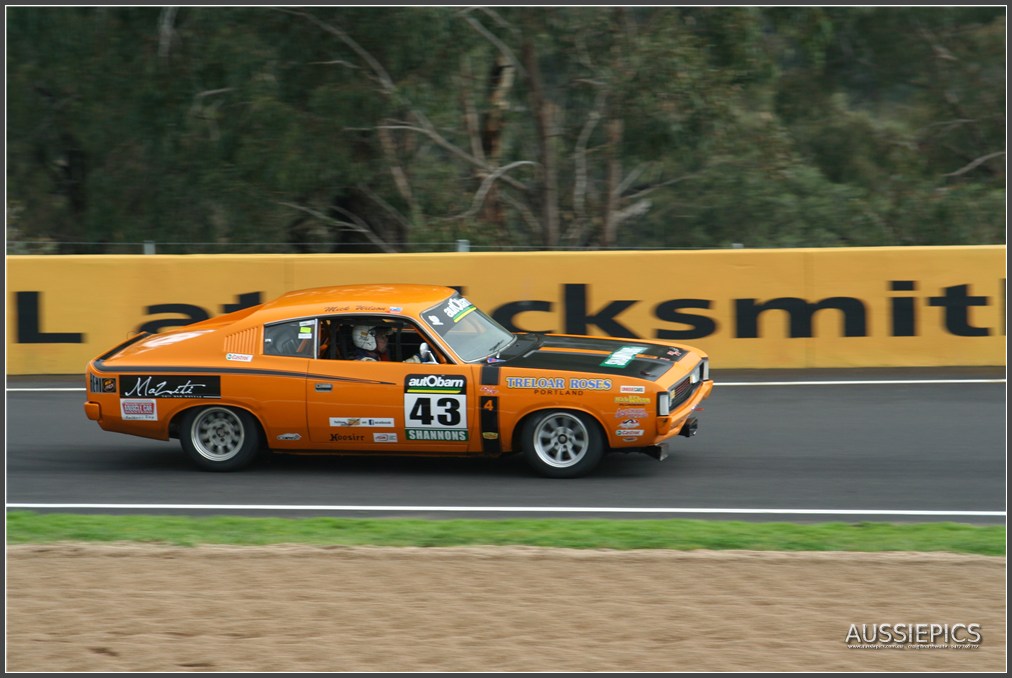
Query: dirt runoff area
point(123, 607)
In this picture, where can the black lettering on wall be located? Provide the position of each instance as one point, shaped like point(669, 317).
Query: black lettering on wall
point(27, 308)
point(799, 315)
point(193, 314)
point(246, 300)
point(904, 319)
point(504, 314)
point(578, 320)
point(670, 311)
point(957, 302)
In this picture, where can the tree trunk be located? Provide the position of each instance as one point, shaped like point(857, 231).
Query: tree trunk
point(545, 127)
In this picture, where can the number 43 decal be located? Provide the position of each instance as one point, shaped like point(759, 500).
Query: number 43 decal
point(441, 411)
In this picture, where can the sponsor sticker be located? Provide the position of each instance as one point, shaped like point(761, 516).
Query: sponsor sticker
point(452, 435)
point(289, 436)
point(458, 307)
point(490, 435)
point(362, 422)
point(630, 433)
point(629, 423)
point(489, 390)
point(632, 400)
point(632, 389)
point(239, 357)
point(434, 383)
point(138, 409)
point(170, 386)
point(622, 356)
point(630, 412)
point(345, 438)
point(384, 437)
point(435, 407)
point(102, 384)
point(555, 383)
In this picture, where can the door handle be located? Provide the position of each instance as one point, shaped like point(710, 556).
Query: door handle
point(324, 387)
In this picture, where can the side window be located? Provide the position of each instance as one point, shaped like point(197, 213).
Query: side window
point(403, 338)
point(297, 338)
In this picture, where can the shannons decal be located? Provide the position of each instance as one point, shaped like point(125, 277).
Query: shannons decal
point(436, 434)
point(170, 386)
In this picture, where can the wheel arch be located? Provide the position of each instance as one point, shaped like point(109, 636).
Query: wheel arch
point(176, 422)
point(518, 427)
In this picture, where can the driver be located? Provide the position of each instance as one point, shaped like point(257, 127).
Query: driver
point(371, 344)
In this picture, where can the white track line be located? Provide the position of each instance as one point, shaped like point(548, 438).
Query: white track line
point(514, 509)
point(722, 384)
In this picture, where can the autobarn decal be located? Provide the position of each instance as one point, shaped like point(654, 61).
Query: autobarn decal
point(435, 407)
point(170, 386)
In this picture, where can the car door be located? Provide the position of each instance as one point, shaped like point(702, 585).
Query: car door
point(369, 405)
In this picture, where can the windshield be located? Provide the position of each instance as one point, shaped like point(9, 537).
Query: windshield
point(470, 333)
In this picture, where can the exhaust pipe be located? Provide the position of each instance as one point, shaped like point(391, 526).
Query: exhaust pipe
point(689, 427)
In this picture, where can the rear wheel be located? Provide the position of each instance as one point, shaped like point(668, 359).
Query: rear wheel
point(561, 444)
point(220, 438)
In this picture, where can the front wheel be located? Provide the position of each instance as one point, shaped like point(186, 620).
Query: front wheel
point(220, 438)
point(561, 444)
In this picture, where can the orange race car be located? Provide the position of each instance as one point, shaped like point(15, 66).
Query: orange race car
point(307, 373)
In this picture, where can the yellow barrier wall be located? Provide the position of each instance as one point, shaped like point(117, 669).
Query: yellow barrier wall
point(854, 307)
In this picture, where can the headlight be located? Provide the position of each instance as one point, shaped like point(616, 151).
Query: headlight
point(663, 404)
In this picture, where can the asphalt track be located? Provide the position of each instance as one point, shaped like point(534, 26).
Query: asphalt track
point(900, 445)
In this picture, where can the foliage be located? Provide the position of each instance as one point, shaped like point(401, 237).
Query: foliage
point(391, 128)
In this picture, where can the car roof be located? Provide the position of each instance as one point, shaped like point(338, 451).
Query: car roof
point(406, 298)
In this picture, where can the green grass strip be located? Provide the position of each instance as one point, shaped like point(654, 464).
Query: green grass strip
point(25, 527)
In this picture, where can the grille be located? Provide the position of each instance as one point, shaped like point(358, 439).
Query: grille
point(684, 389)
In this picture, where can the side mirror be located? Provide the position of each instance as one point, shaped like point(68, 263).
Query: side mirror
point(426, 354)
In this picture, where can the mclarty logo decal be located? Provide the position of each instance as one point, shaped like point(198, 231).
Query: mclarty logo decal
point(170, 386)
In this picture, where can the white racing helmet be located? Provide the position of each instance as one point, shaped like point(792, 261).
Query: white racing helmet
point(364, 336)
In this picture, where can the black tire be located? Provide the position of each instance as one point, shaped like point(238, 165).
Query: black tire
point(562, 444)
point(220, 438)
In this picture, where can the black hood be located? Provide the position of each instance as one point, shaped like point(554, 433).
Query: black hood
point(625, 357)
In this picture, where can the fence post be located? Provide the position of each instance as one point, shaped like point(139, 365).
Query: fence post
point(463, 245)
point(149, 247)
